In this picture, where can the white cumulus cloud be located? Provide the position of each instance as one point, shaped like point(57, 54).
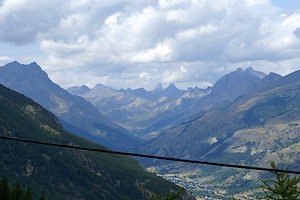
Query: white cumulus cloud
point(123, 42)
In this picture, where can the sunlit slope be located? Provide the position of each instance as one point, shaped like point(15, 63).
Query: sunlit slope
point(253, 130)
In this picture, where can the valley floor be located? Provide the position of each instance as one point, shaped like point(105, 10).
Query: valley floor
point(198, 186)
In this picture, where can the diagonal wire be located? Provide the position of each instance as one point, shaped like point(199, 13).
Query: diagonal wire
point(149, 156)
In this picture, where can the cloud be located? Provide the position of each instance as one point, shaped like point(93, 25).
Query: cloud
point(22, 21)
point(174, 75)
point(161, 52)
point(143, 42)
point(297, 32)
point(4, 59)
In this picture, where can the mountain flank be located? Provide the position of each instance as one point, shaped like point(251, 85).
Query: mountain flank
point(75, 113)
point(253, 129)
point(61, 173)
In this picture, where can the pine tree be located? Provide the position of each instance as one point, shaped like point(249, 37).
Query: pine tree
point(42, 197)
point(167, 196)
point(283, 187)
point(17, 193)
point(4, 189)
point(28, 194)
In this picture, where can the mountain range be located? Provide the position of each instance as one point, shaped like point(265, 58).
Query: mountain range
point(253, 109)
point(253, 126)
point(139, 110)
point(75, 113)
point(61, 173)
point(147, 113)
point(247, 117)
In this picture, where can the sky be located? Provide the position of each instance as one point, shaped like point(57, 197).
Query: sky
point(139, 43)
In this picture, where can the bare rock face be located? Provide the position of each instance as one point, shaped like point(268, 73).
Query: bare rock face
point(29, 168)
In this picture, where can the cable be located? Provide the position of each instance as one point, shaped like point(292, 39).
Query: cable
point(149, 156)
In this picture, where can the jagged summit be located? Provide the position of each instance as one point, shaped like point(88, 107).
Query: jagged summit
point(171, 89)
point(16, 64)
point(239, 70)
point(99, 85)
point(34, 64)
point(249, 70)
point(236, 83)
point(18, 75)
point(78, 90)
point(254, 72)
point(171, 86)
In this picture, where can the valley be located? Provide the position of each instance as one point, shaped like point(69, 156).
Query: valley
point(246, 117)
point(61, 173)
point(150, 100)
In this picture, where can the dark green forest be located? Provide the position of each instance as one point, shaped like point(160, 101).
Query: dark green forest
point(9, 191)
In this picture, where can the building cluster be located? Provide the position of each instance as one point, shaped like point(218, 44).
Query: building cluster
point(193, 185)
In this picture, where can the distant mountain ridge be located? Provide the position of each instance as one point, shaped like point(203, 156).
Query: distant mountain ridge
point(246, 117)
point(76, 90)
point(234, 112)
point(147, 113)
point(257, 127)
point(130, 107)
point(77, 115)
point(170, 93)
point(62, 173)
point(236, 84)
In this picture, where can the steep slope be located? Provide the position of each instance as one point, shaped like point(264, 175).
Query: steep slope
point(234, 84)
point(254, 129)
point(62, 173)
point(78, 90)
point(76, 114)
point(170, 93)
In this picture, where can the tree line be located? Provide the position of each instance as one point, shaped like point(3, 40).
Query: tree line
point(7, 192)
point(282, 186)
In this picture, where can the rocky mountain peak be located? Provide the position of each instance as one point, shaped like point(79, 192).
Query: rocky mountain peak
point(171, 87)
point(102, 88)
point(236, 83)
point(34, 64)
point(17, 65)
point(272, 77)
point(172, 92)
point(239, 70)
point(99, 85)
point(78, 90)
point(22, 72)
point(259, 74)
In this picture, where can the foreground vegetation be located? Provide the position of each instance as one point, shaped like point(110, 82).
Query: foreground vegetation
point(7, 192)
point(281, 187)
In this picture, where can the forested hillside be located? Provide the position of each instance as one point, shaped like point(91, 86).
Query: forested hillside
point(64, 173)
